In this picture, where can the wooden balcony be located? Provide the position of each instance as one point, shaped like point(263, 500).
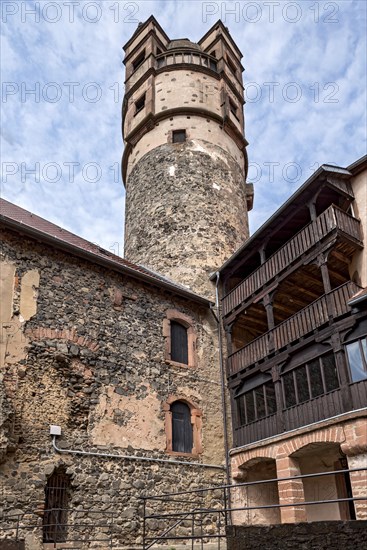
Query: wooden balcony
point(314, 410)
point(331, 220)
point(334, 304)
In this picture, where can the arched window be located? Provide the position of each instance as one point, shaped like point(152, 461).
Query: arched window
point(183, 423)
point(180, 339)
point(57, 492)
point(182, 439)
point(179, 343)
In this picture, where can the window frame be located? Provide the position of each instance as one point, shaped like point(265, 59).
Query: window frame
point(196, 424)
point(241, 404)
point(292, 373)
point(233, 108)
point(362, 355)
point(138, 109)
point(179, 317)
point(138, 61)
point(56, 506)
point(178, 132)
point(175, 339)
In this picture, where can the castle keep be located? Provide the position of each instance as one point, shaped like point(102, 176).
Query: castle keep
point(205, 356)
point(185, 161)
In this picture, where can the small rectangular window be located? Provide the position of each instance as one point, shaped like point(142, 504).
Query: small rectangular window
point(231, 65)
point(357, 359)
point(241, 410)
point(233, 108)
point(271, 404)
point(302, 385)
point(139, 60)
point(260, 402)
point(179, 343)
point(213, 65)
point(178, 136)
point(140, 104)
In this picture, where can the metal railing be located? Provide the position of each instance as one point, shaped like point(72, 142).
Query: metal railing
point(77, 530)
point(190, 520)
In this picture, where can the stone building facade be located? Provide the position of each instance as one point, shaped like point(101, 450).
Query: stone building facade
point(111, 383)
point(120, 361)
point(85, 346)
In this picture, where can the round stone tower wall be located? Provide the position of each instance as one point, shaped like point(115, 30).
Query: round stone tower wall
point(185, 211)
point(184, 162)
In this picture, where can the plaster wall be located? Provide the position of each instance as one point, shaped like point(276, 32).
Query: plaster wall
point(198, 129)
point(358, 266)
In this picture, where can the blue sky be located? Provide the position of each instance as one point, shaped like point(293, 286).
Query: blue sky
point(61, 145)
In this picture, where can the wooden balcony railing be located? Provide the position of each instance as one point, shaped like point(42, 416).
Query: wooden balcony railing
point(303, 322)
point(333, 218)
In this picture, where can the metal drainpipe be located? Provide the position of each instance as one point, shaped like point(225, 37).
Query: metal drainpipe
point(132, 457)
point(222, 377)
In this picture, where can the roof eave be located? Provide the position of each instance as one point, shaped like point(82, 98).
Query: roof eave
point(343, 172)
point(105, 262)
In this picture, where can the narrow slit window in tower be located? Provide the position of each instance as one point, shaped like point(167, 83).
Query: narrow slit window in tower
point(139, 60)
point(140, 104)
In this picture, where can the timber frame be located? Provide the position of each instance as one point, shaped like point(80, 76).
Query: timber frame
point(286, 295)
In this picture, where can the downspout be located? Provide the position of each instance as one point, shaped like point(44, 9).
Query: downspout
point(222, 378)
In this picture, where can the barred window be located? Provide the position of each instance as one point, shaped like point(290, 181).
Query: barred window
point(57, 495)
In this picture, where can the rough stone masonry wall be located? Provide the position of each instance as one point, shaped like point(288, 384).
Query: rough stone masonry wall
point(323, 535)
point(91, 359)
point(185, 211)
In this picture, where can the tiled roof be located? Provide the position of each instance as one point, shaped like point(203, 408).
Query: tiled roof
point(41, 229)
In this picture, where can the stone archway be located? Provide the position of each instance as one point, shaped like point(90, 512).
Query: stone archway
point(263, 494)
point(317, 458)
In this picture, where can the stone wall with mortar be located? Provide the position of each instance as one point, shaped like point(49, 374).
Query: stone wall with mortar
point(185, 211)
point(84, 348)
point(323, 535)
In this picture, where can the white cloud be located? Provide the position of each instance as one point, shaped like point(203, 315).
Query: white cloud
point(35, 130)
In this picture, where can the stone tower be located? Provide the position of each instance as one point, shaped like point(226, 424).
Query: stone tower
point(184, 164)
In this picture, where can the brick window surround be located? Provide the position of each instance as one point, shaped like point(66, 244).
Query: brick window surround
point(196, 423)
point(186, 321)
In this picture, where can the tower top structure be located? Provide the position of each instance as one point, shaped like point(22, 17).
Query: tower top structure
point(184, 163)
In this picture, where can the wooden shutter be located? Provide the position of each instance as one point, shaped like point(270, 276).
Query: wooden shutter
point(181, 428)
point(179, 345)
